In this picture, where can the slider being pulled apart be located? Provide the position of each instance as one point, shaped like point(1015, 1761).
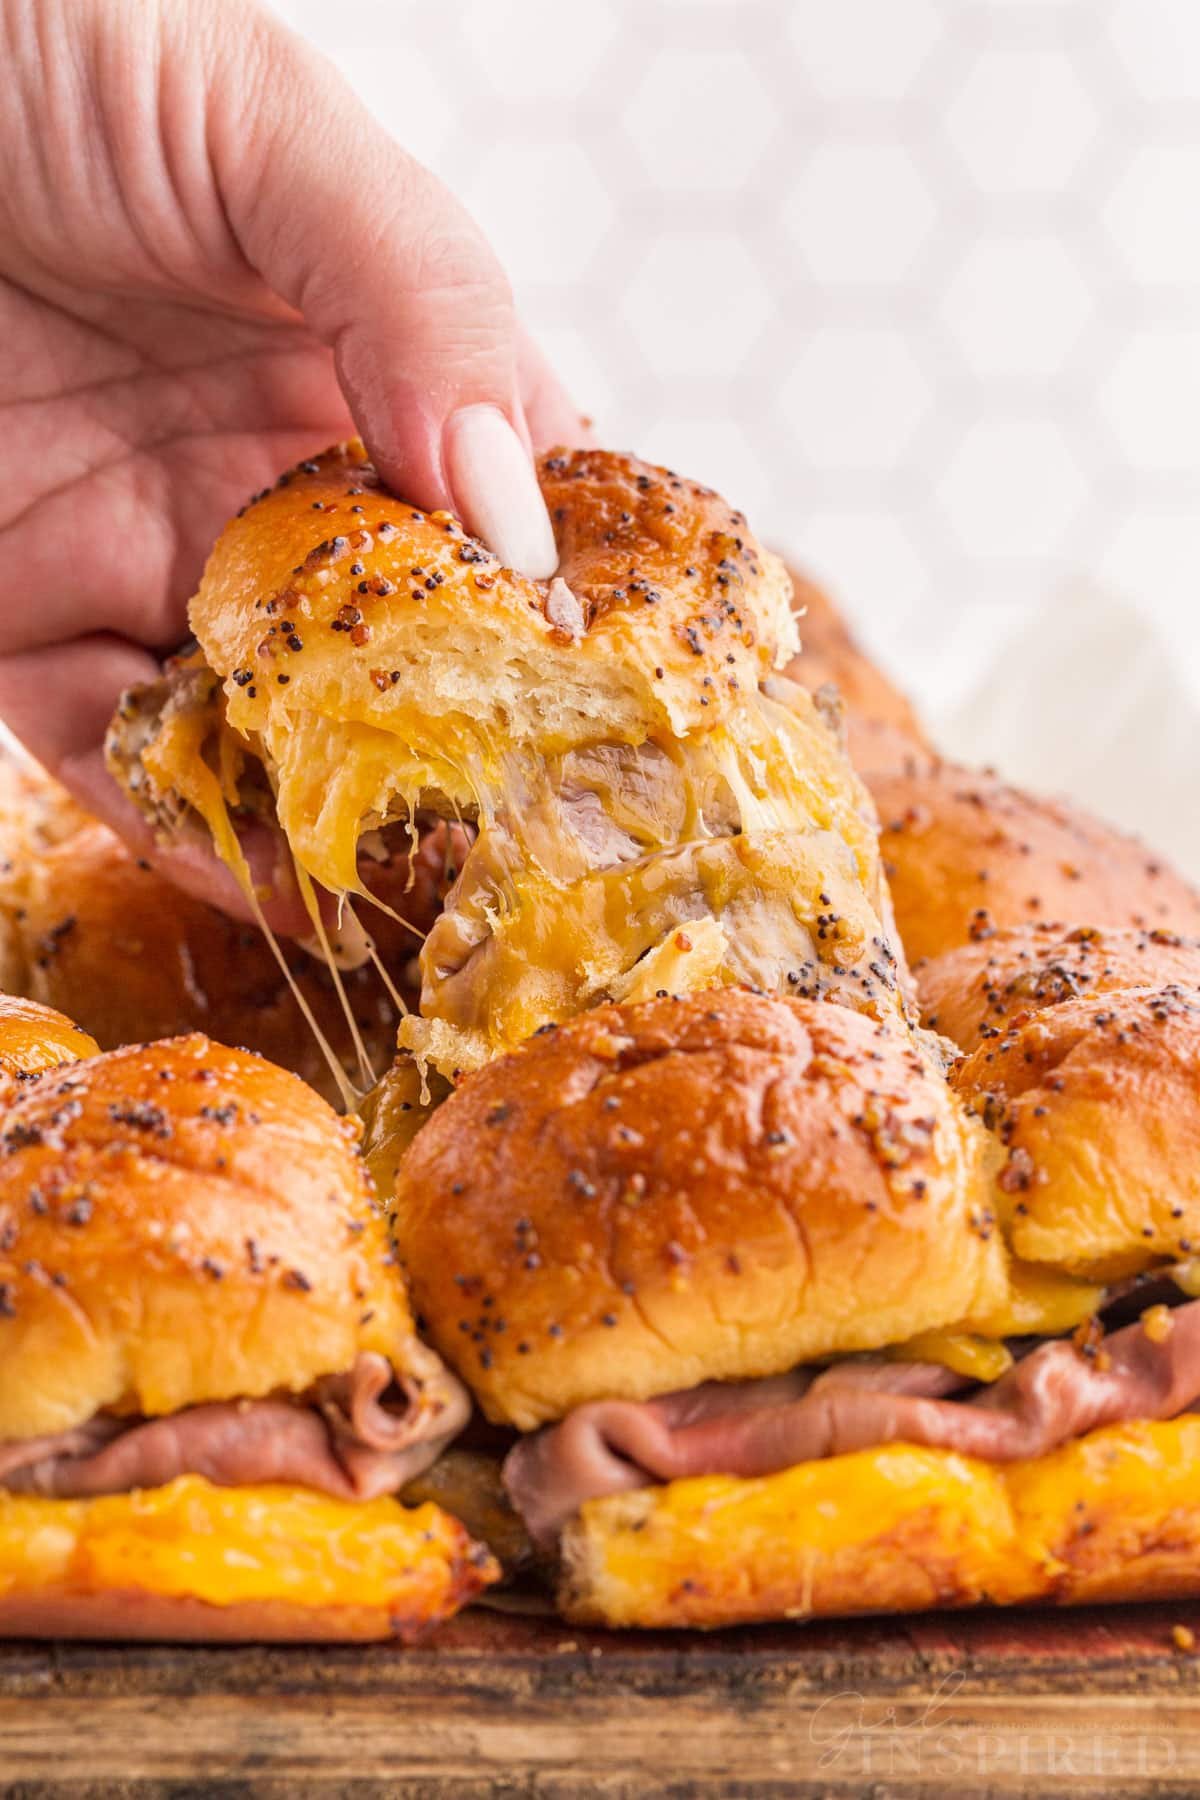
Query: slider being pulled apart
point(637, 798)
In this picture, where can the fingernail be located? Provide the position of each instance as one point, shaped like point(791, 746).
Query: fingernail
point(496, 491)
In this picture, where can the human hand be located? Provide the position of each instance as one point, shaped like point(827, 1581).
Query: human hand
point(212, 262)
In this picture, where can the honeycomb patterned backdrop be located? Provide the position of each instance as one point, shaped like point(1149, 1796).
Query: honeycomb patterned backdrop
point(914, 282)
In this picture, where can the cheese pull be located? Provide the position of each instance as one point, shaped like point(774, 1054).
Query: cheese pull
point(641, 784)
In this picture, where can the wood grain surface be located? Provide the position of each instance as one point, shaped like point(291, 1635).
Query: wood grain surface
point(1103, 1701)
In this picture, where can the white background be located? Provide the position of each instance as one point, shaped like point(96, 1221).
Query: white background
point(914, 282)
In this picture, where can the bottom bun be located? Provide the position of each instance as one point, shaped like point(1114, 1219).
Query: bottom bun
point(195, 1561)
point(1113, 1516)
point(132, 1614)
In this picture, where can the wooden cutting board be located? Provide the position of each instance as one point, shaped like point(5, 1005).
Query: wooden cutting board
point(1103, 1701)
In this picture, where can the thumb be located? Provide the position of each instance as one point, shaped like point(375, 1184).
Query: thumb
point(389, 270)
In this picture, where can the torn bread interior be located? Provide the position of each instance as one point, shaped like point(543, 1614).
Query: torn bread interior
point(635, 783)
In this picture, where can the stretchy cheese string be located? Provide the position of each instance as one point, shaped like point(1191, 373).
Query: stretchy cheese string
point(377, 963)
point(346, 1091)
point(209, 794)
point(312, 908)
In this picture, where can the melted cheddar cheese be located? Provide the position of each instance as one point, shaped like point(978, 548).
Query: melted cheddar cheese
point(227, 1545)
point(1039, 1302)
point(747, 853)
point(778, 911)
point(966, 1353)
point(1114, 1515)
point(893, 1529)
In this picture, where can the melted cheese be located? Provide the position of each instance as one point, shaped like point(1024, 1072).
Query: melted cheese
point(686, 960)
point(892, 1529)
point(769, 767)
point(1186, 1276)
point(176, 761)
point(1039, 1302)
point(392, 1114)
point(1114, 1515)
point(752, 844)
point(226, 1545)
point(976, 1358)
point(516, 951)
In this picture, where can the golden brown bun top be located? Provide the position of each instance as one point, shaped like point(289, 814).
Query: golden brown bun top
point(34, 1038)
point(965, 854)
point(830, 654)
point(1097, 1102)
point(977, 992)
point(328, 595)
point(715, 1187)
point(181, 1223)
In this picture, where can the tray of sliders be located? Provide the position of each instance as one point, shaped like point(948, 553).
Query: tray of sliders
point(674, 1266)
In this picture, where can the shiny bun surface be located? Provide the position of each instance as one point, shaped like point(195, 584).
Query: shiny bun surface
point(1097, 1104)
point(710, 1188)
point(966, 854)
point(330, 596)
point(34, 1038)
point(976, 992)
point(181, 1223)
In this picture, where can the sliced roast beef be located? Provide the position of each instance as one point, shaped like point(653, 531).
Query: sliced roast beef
point(758, 1428)
point(19, 1456)
point(363, 1434)
point(738, 1428)
point(384, 1428)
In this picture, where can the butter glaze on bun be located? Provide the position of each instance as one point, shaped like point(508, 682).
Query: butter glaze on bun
point(979, 991)
point(182, 1223)
point(717, 1187)
point(34, 1038)
point(966, 854)
point(381, 660)
point(1097, 1103)
point(614, 656)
